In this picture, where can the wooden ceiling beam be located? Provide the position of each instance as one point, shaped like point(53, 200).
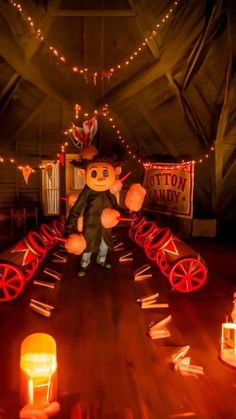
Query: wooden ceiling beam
point(190, 116)
point(146, 112)
point(176, 51)
point(9, 85)
point(11, 52)
point(215, 18)
point(94, 13)
point(142, 23)
point(45, 25)
point(229, 166)
point(32, 45)
point(8, 91)
point(24, 124)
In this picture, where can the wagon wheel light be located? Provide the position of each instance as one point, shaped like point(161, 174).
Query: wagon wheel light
point(11, 281)
point(188, 275)
point(30, 269)
point(162, 263)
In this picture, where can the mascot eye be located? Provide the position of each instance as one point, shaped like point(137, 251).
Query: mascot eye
point(105, 173)
point(94, 173)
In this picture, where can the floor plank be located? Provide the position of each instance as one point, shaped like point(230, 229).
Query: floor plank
point(108, 366)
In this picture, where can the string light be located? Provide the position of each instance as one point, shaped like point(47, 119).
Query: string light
point(105, 73)
point(169, 166)
point(105, 112)
point(11, 160)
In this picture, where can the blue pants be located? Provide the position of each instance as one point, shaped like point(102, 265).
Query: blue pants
point(101, 257)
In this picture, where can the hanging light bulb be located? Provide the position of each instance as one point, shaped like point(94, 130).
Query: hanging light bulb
point(38, 370)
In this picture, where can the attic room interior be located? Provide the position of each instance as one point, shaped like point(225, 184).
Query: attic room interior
point(117, 209)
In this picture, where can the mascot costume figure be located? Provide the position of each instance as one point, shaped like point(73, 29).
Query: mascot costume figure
point(95, 211)
point(100, 175)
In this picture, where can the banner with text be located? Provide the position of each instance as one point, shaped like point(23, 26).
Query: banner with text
point(169, 188)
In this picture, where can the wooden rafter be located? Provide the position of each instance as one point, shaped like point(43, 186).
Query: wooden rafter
point(45, 25)
point(94, 13)
point(190, 116)
point(169, 58)
point(8, 91)
point(145, 110)
point(12, 53)
point(229, 166)
point(13, 79)
point(25, 123)
point(151, 43)
point(213, 19)
point(32, 44)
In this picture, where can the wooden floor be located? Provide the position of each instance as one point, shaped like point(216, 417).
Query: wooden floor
point(109, 368)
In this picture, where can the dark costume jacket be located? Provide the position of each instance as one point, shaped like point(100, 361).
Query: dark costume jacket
point(92, 202)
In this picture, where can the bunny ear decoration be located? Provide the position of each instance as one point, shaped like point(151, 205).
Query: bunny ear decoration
point(77, 136)
point(77, 132)
point(90, 127)
point(80, 135)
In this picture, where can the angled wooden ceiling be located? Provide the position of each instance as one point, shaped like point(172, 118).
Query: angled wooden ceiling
point(174, 75)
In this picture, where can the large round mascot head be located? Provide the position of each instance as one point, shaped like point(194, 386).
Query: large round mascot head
point(100, 172)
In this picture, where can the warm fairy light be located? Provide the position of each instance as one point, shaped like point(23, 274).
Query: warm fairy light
point(120, 138)
point(77, 110)
point(131, 153)
point(105, 73)
point(168, 166)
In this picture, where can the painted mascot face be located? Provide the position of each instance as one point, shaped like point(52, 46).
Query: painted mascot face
point(100, 176)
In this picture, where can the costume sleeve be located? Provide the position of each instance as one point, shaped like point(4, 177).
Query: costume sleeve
point(114, 203)
point(75, 211)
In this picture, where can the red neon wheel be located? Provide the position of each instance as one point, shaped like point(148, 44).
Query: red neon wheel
point(156, 241)
point(12, 281)
point(35, 243)
point(144, 231)
point(57, 227)
point(46, 232)
point(62, 219)
point(188, 275)
point(162, 263)
point(30, 269)
point(138, 222)
point(149, 250)
point(41, 257)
